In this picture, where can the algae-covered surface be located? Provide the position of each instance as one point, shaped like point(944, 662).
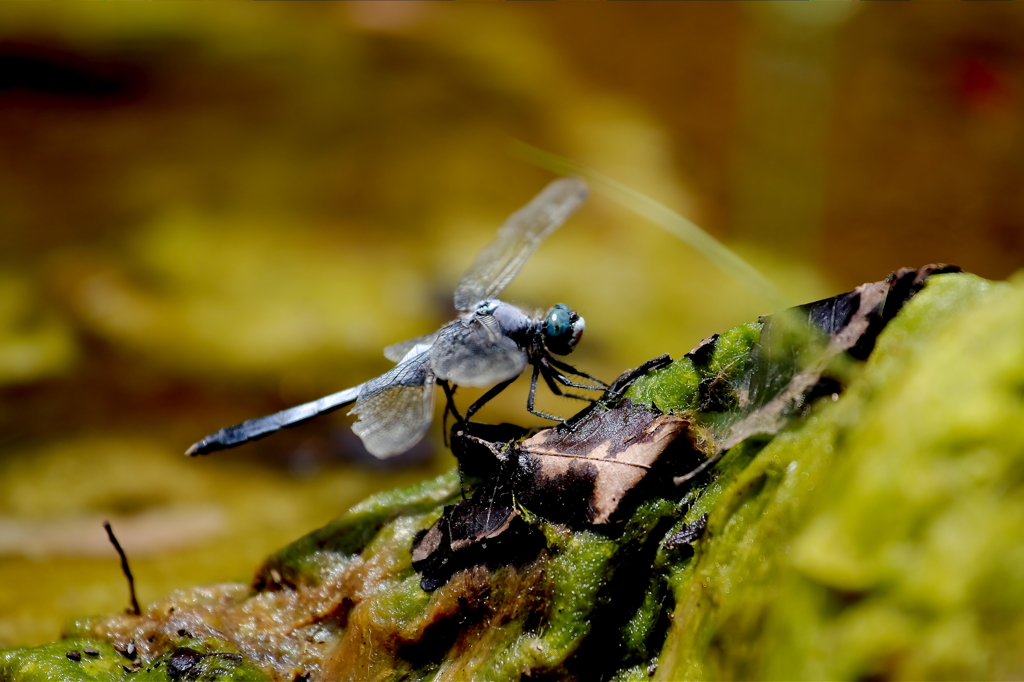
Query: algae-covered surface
point(877, 539)
point(878, 535)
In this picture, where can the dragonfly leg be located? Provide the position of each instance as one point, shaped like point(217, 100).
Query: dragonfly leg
point(551, 375)
point(449, 407)
point(487, 397)
point(533, 394)
point(449, 394)
point(562, 379)
point(569, 369)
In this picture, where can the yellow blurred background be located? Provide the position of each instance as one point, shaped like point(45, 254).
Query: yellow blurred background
point(210, 212)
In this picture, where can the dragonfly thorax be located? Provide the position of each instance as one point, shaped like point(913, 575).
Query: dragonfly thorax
point(513, 322)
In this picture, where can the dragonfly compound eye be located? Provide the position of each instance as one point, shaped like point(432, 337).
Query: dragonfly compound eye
point(562, 329)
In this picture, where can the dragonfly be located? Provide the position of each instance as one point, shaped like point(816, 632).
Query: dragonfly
point(489, 345)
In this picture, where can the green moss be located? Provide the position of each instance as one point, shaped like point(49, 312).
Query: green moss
point(732, 349)
point(216, 662)
point(876, 538)
point(672, 389)
point(577, 570)
point(348, 535)
point(676, 387)
point(50, 663)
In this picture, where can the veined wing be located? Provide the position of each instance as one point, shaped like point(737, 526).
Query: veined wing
point(502, 259)
point(396, 352)
point(473, 351)
point(264, 426)
point(396, 408)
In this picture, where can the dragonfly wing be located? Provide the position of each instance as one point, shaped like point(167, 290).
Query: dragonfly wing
point(473, 351)
point(396, 408)
point(396, 352)
point(502, 259)
point(264, 426)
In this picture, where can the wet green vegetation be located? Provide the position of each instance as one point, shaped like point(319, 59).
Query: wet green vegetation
point(877, 536)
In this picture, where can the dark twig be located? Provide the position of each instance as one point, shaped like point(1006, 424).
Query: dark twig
point(135, 610)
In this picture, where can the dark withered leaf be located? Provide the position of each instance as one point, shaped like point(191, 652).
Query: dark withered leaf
point(478, 447)
point(703, 351)
point(689, 533)
point(579, 472)
point(485, 529)
point(599, 461)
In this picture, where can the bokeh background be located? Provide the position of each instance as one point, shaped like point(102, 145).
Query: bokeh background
point(213, 212)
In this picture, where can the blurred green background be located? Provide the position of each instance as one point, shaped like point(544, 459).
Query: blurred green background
point(212, 212)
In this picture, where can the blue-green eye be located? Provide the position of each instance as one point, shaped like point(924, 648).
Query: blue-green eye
point(562, 329)
point(559, 321)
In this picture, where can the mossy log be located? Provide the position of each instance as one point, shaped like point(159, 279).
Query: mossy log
point(869, 527)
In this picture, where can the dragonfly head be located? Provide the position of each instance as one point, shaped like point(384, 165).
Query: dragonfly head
point(562, 329)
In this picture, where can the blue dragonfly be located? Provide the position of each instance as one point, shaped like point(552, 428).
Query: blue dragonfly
point(489, 345)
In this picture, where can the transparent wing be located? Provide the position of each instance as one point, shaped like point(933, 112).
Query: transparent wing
point(231, 436)
point(396, 408)
point(473, 351)
point(502, 259)
point(396, 352)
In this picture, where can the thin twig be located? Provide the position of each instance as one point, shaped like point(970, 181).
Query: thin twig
point(124, 568)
